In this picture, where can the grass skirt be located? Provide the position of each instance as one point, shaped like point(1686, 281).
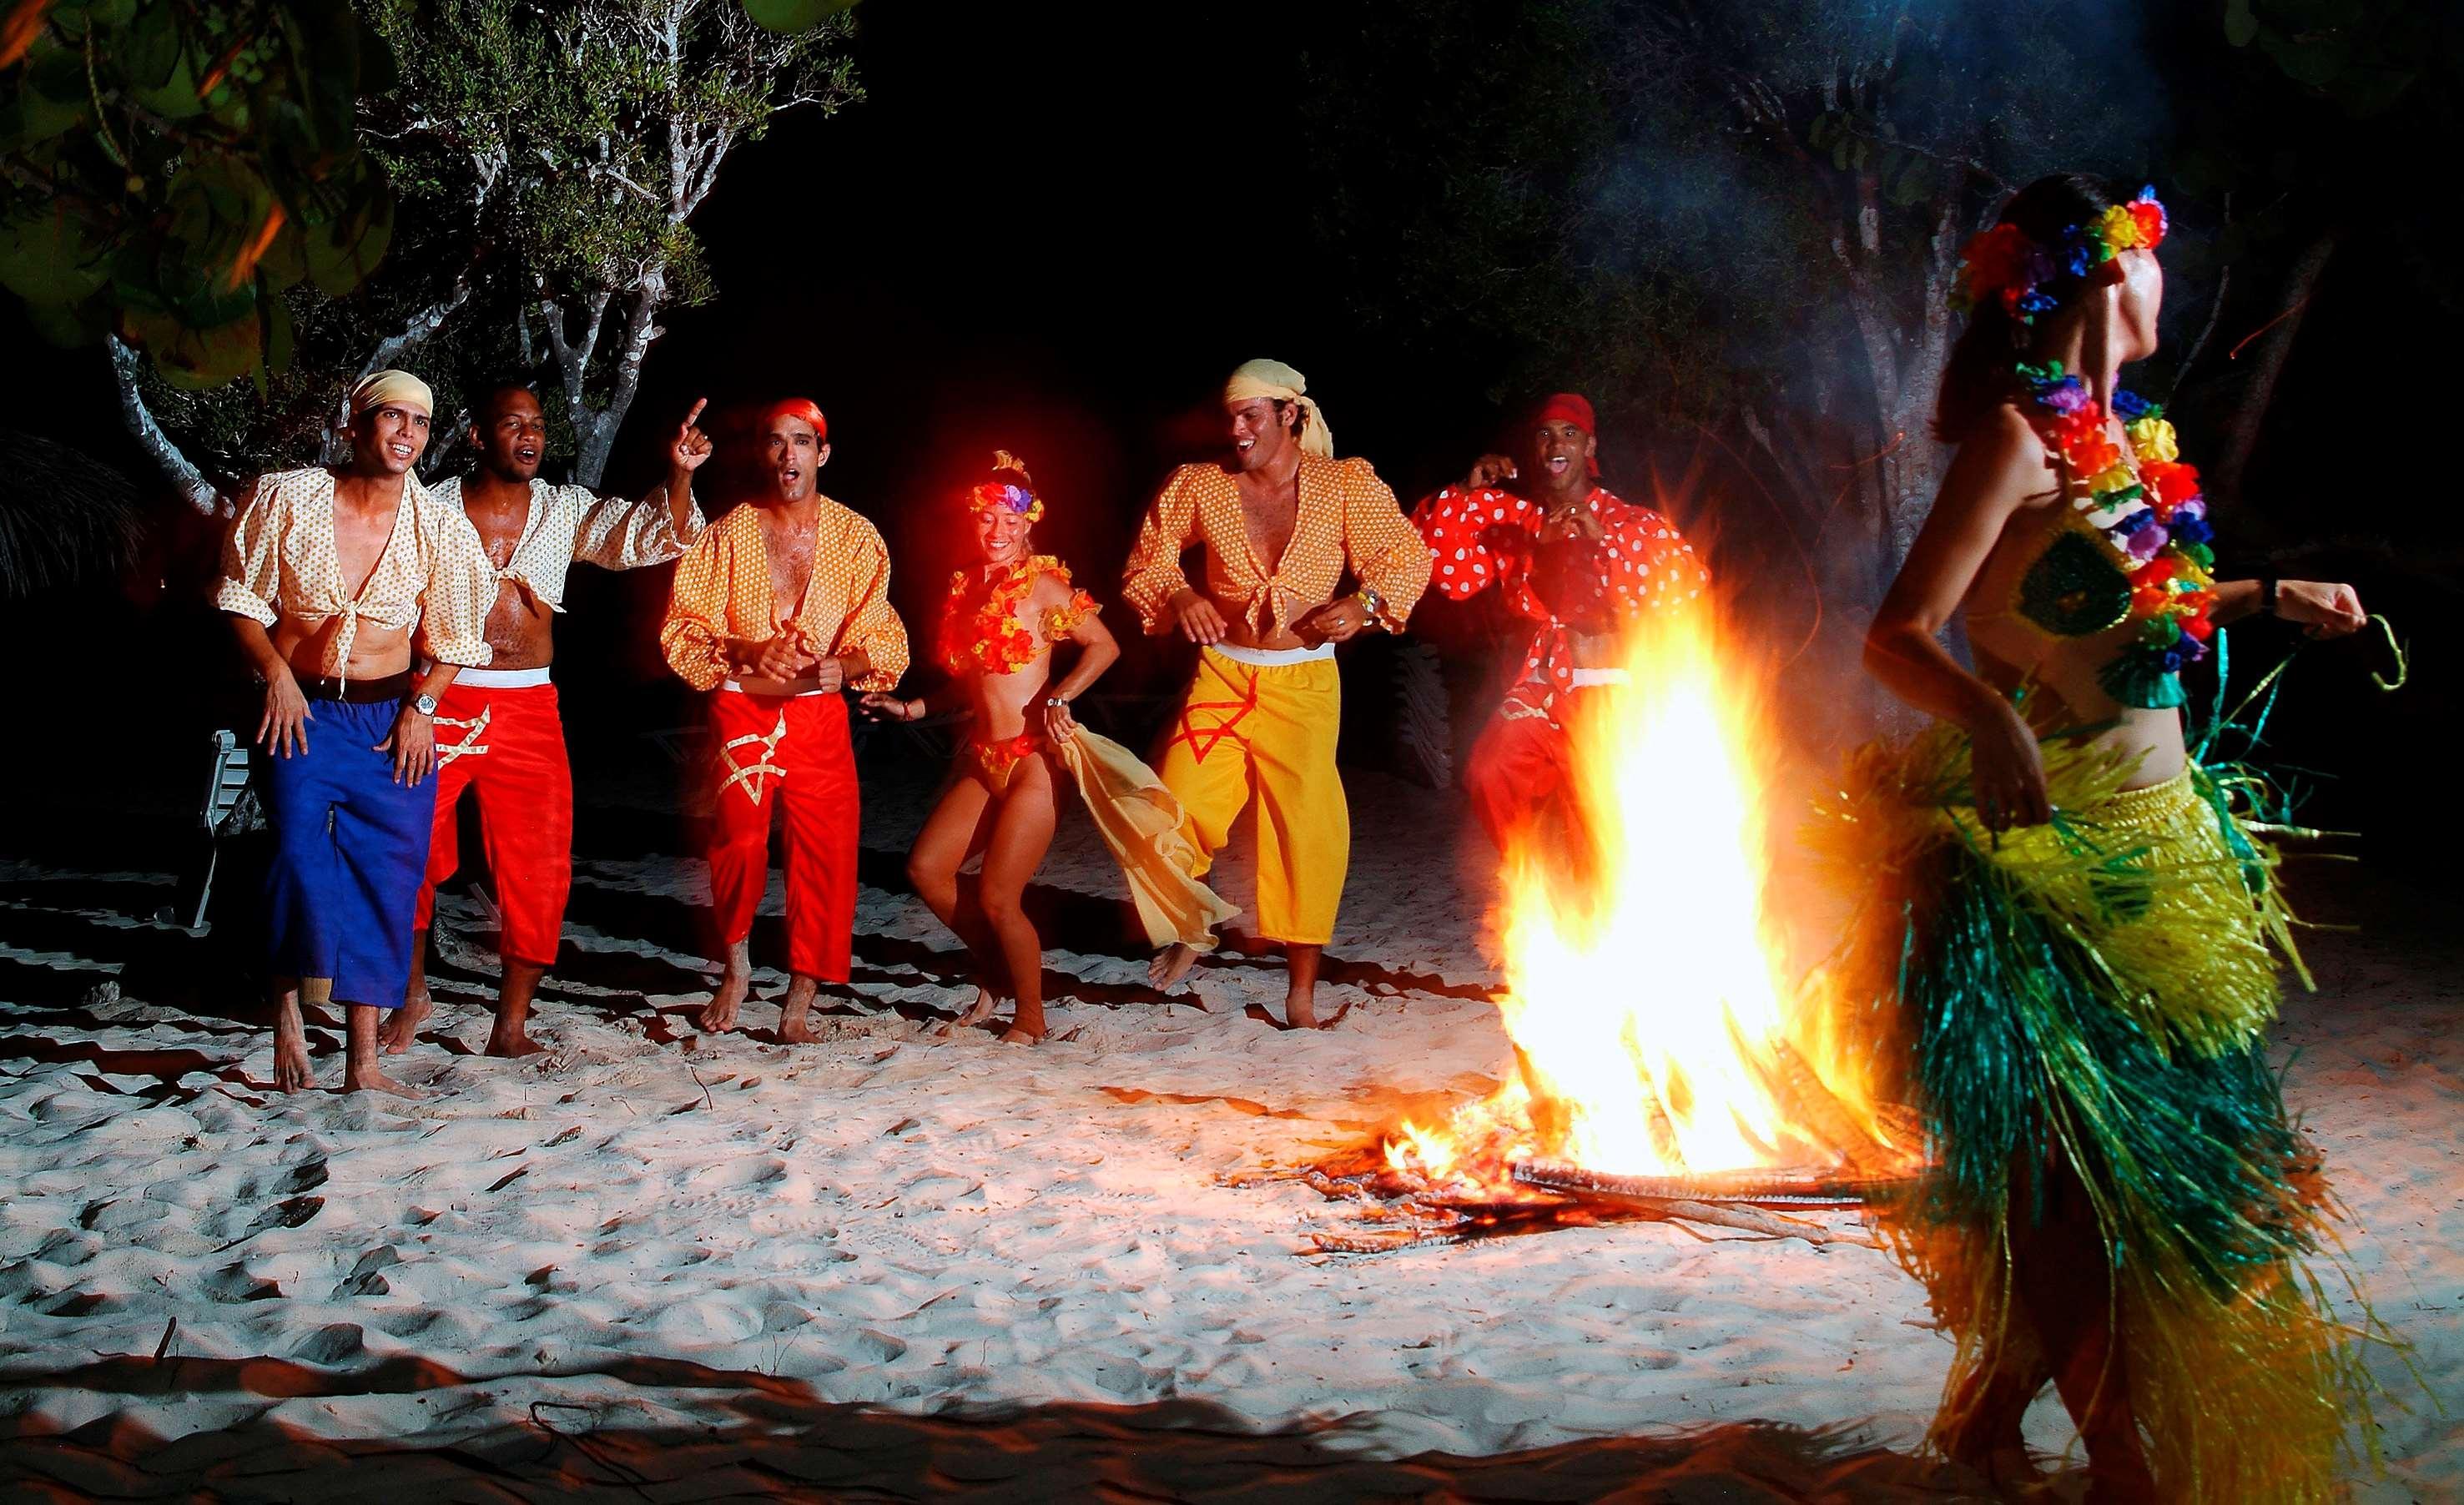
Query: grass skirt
point(2094, 995)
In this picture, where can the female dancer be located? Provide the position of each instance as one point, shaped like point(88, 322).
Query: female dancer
point(997, 628)
point(2076, 916)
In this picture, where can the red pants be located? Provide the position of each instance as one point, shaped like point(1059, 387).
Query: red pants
point(786, 753)
point(507, 747)
point(1519, 764)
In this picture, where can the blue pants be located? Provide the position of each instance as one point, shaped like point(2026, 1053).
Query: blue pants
point(349, 847)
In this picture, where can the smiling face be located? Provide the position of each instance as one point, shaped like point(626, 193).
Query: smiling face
point(1561, 458)
point(796, 453)
point(1001, 534)
point(388, 439)
point(510, 434)
point(1262, 431)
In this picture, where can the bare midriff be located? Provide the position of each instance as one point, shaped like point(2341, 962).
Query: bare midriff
point(521, 632)
point(2011, 650)
point(376, 651)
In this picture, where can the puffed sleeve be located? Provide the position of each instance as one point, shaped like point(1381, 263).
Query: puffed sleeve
point(251, 580)
point(1648, 563)
point(695, 636)
point(1459, 527)
point(871, 623)
point(1383, 547)
point(461, 586)
point(1153, 575)
point(618, 535)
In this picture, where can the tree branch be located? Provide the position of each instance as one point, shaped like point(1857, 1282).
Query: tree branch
point(176, 467)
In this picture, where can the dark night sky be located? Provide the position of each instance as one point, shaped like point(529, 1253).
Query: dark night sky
point(1054, 229)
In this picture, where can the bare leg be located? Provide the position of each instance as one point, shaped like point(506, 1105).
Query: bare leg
point(959, 826)
point(2063, 1273)
point(1994, 1404)
point(1022, 833)
point(1300, 990)
point(360, 1073)
point(735, 981)
point(402, 1026)
point(292, 1072)
point(1170, 965)
point(512, 1035)
point(794, 1026)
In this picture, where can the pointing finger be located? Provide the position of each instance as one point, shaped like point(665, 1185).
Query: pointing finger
point(699, 404)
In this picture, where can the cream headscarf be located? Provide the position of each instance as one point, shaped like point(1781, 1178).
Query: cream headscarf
point(1272, 378)
point(380, 387)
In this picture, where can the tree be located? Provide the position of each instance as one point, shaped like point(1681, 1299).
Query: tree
point(1737, 224)
point(547, 160)
point(169, 168)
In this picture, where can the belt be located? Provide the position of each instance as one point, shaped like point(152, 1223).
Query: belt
point(358, 692)
point(502, 679)
point(753, 685)
point(1271, 658)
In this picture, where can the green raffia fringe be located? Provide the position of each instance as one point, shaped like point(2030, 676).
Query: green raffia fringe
point(2094, 993)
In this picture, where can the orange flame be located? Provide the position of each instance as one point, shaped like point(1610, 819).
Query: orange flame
point(1645, 989)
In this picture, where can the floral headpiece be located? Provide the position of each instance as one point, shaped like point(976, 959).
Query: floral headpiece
point(1007, 496)
point(2005, 266)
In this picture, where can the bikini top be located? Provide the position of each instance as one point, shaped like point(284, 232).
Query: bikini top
point(2132, 542)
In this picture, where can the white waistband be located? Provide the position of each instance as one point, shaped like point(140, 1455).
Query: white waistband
point(787, 689)
point(1270, 658)
point(1587, 678)
point(502, 679)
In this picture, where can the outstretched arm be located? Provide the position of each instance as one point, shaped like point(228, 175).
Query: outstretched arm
point(1990, 478)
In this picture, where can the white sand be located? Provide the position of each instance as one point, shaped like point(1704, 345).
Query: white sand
point(883, 1218)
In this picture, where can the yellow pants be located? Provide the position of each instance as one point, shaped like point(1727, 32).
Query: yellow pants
point(1270, 732)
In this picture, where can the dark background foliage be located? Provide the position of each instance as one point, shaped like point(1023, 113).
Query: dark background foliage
point(1053, 229)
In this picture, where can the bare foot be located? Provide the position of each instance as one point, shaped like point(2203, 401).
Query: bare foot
point(402, 1027)
point(1021, 1035)
point(365, 1077)
point(512, 1042)
point(1300, 1011)
point(292, 1070)
point(795, 1026)
point(976, 1013)
point(1170, 965)
point(718, 1015)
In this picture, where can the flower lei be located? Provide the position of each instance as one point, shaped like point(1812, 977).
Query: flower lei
point(2152, 518)
point(981, 631)
point(2003, 266)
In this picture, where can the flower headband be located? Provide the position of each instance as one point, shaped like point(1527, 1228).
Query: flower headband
point(2005, 266)
point(1005, 496)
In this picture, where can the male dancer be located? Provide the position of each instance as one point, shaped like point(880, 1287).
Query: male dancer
point(324, 576)
point(777, 608)
point(1575, 562)
point(1267, 702)
point(502, 737)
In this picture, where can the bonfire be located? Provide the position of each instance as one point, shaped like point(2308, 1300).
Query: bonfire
point(1667, 1063)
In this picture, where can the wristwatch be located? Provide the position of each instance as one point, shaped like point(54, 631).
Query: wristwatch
point(1372, 603)
point(2267, 595)
point(1050, 701)
point(424, 703)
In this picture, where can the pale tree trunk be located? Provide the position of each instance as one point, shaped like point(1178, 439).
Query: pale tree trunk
point(177, 468)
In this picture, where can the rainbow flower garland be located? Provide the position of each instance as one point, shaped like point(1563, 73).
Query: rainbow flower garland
point(2003, 266)
point(2150, 517)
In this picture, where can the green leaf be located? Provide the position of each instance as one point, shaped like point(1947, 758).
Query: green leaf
point(48, 254)
point(276, 316)
point(794, 15)
point(341, 254)
point(69, 327)
point(52, 98)
point(2241, 25)
point(196, 358)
